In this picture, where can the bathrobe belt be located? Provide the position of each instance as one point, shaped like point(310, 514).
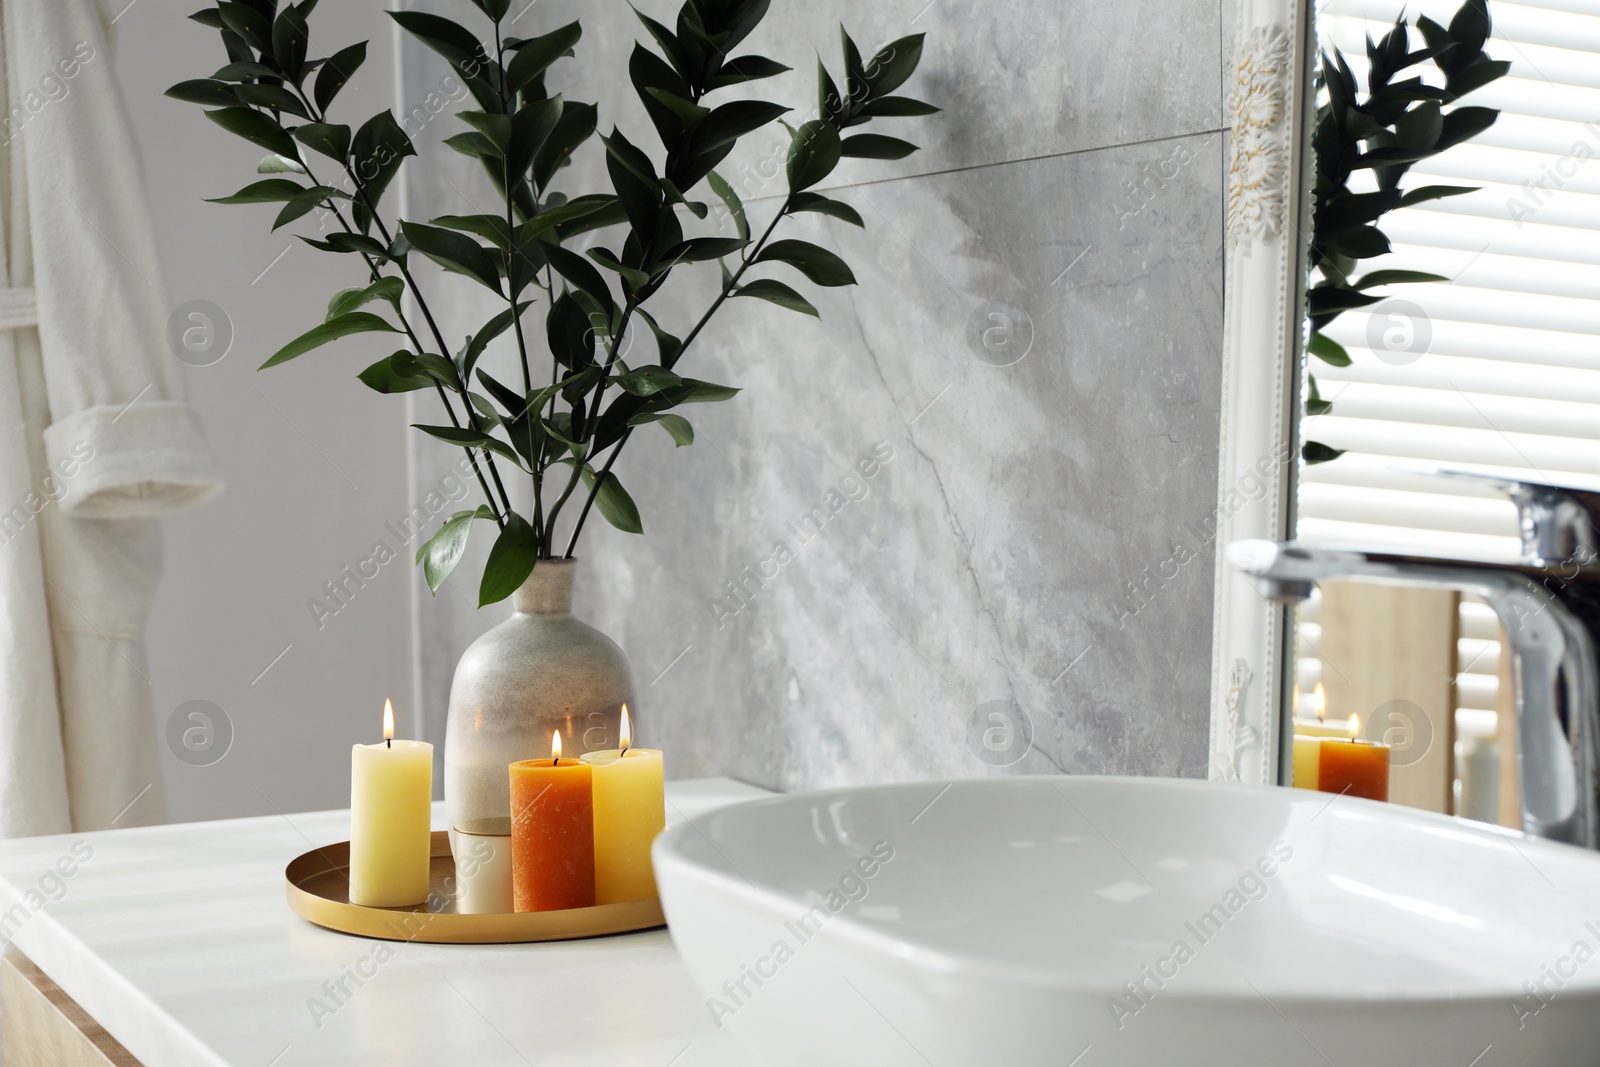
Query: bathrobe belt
point(18, 309)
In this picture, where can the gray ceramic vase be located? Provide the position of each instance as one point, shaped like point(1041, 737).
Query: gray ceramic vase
point(538, 672)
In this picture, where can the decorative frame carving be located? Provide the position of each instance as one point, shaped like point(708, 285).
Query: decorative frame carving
point(1268, 219)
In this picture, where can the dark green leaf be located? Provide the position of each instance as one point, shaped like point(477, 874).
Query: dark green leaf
point(577, 270)
point(209, 16)
point(745, 69)
point(256, 128)
point(1396, 277)
point(813, 154)
point(343, 326)
point(815, 262)
point(1433, 192)
point(536, 55)
point(450, 39)
point(480, 340)
point(248, 23)
point(733, 120)
point(330, 139)
point(275, 97)
point(383, 377)
point(648, 381)
point(511, 560)
point(894, 63)
point(699, 249)
point(270, 191)
point(1328, 350)
point(454, 252)
point(699, 392)
point(378, 148)
point(1360, 242)
point(489, 227)
point(355, 242)
point(1317, 452)
point(823, 205)
point(898, 107)
point(467, 438)
point(576, 125)
point(876, 146)
point(613, 501)
point(339, 69)
point(676, 426)
point(441, 552)
point(205, 91)
point(636, 279)
point(302, 203)
point(734, 204)
point(495, 9)
point(289, 41)
point(347, 300)
point(777, 293)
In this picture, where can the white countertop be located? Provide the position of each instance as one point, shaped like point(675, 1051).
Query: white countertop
point(178, 940)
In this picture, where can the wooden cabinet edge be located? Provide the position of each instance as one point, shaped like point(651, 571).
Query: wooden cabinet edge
point(46, 1028)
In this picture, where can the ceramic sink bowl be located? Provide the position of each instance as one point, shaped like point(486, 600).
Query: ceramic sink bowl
point(1097, 922)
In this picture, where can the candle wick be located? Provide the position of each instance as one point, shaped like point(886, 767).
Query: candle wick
point(388, 742)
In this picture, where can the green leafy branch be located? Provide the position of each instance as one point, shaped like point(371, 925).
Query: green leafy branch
point(1388, 129)
point(271, 93)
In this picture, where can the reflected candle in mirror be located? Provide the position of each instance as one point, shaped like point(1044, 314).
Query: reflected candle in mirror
point(1307, 760)
point(552, 832)
point(1354, 768)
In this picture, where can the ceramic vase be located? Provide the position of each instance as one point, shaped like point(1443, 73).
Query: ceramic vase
point(540, 671)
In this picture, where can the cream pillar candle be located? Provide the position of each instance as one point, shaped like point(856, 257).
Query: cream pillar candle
point(482, 849)
point(629, 811)
point(391, 796)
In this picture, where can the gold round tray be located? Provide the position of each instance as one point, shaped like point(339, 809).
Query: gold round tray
point(318, 885)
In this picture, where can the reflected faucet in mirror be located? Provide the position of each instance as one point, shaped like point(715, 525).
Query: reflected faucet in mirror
point(1547, 600)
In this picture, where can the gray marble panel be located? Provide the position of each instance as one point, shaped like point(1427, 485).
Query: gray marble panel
point(989, 559)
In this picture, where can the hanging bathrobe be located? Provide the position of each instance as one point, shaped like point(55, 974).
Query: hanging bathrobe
point(95, 437)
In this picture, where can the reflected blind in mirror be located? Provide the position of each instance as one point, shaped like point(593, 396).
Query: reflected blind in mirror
point(1500, 367)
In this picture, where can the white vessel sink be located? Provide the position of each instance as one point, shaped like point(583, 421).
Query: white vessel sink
point(1092, 922)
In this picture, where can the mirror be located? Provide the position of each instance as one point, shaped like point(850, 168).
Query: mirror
point(1449, 329)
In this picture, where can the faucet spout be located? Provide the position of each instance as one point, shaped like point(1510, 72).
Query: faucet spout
point(1545, 611)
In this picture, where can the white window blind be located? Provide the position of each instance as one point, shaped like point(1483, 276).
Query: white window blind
point(1501, 370)
point(1508, 376)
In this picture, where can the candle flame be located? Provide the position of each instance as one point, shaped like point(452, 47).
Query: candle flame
point(1355, 726)
point(388, 720)
point(555, 745)
point(627, 729)
point(1319, 702)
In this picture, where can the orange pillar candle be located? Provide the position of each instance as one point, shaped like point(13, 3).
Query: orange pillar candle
point(552, 833)
point(1354, 768)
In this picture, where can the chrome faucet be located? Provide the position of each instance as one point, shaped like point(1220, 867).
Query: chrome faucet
point(1548, 603)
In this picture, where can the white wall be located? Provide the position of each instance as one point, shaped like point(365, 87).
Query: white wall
point(315, 462)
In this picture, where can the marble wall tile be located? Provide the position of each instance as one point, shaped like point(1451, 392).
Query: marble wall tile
point(986, 564)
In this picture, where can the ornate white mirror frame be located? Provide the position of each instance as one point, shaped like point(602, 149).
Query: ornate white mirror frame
point(1269, 211)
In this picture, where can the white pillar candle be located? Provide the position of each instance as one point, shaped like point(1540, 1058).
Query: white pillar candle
point(391, 797)
point(482, 850)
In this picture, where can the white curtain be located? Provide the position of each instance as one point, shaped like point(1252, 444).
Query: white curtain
point(96, 439)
